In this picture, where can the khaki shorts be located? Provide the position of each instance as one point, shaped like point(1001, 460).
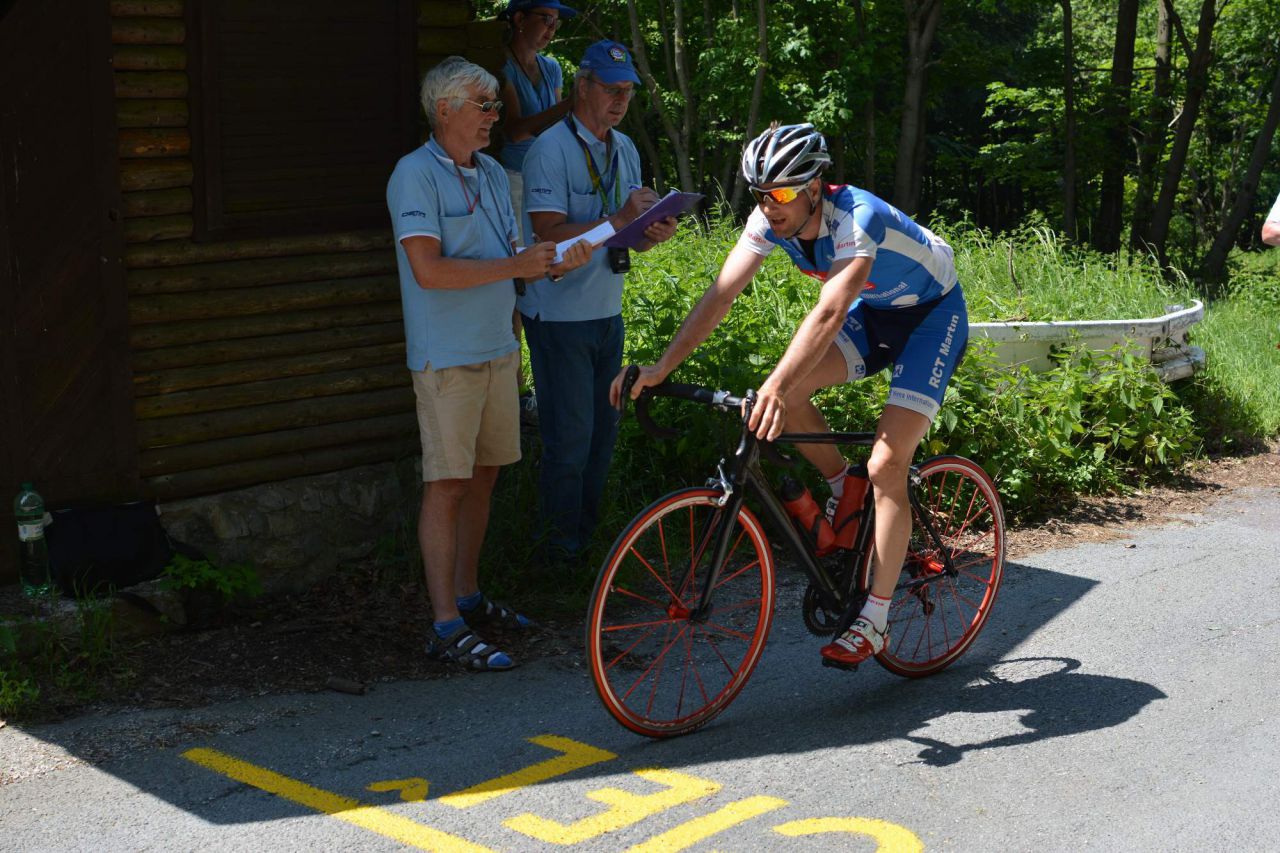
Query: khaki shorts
point(468, 415)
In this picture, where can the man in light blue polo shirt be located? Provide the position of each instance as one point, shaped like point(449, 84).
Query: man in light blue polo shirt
point(578, 173)
point(455, 250)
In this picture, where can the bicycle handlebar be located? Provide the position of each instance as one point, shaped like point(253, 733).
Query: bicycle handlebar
point(722, 400)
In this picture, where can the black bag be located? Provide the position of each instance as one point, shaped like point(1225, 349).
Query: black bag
point(95, 550)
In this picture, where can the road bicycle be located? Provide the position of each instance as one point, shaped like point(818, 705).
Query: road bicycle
point(684, 601)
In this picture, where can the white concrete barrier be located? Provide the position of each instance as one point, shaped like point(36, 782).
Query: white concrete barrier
point(1162, 339)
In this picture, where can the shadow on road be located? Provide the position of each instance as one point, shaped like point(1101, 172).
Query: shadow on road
point(459, 732)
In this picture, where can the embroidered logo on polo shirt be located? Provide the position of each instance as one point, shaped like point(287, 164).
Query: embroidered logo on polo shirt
point(413, 213)
point(542, 190)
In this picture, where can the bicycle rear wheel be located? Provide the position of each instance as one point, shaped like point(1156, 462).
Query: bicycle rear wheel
point(659, 670)
point(931, 625)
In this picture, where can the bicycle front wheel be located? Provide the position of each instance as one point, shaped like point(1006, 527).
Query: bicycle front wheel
point(932, 624)
point(660, 668)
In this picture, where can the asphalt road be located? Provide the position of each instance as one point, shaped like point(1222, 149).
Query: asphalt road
point(1121, 698)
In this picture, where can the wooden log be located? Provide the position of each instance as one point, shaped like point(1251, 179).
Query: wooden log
point(207, 454)
point(154, 142)
point(258, 393)
point(155, 175)
point(271, 247)
point(144, 229)
point(488, 58)
point(159, 335)
point(272, 346)
point(441, 40)
point(157, 202)
point(148, 384)
point(148, 31)
point(490, 33)
point(142, 113)
point(188, 429)
point(443, 13)
point(151, 84)
point(427, 61)
point(125, 57)
point(169, 307)
point(257, 272)
point(146, 8)
point(298, 464)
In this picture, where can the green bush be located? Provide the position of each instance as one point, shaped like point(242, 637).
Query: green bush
point(230, 582)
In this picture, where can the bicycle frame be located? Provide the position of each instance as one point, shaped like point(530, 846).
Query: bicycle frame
point(744, 473)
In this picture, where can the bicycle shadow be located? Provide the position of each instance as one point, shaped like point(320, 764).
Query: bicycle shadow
point(1044, 696)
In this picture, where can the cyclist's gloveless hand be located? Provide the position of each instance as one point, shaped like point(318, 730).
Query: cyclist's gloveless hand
point(769, 416)
point(649, 375)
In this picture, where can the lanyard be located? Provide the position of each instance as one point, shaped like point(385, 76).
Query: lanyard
point(596, 181)
point(478, 201)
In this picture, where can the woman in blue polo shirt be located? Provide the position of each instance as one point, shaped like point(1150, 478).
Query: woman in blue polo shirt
point(531, 88)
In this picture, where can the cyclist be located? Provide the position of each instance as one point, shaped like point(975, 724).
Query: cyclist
point(889, 296)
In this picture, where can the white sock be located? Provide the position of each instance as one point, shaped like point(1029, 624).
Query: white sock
point(837, 483)
point(876, 611)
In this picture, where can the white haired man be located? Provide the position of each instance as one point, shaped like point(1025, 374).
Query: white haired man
point(459, 266)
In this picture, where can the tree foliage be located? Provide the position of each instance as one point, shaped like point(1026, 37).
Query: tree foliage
point(1154, 159)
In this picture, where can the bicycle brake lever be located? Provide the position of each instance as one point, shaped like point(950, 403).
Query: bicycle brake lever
point(768, 449)
point(628, 379)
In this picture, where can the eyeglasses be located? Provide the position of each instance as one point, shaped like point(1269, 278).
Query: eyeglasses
point(487, 106)
point(549, 21)
point(615, 91)
point(777, 195)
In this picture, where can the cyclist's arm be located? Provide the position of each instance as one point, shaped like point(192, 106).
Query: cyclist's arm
point(738, 270)
point(810, 342)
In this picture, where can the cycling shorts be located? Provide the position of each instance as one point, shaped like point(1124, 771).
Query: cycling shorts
point(924, 343)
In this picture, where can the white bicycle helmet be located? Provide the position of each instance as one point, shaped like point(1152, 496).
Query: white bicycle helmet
point(790, 154)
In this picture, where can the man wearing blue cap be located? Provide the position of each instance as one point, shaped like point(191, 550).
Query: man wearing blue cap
point(579, 173)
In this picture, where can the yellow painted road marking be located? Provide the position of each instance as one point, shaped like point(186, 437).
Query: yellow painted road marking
point(575, 756)
point(691, 832)
point(625, 808)
point(891, 837)
point(343, 808)
point(412, 790)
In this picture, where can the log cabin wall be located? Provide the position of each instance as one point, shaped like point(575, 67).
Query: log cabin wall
point(254, 360)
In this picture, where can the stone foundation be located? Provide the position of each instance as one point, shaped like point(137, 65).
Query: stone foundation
point(295, 532)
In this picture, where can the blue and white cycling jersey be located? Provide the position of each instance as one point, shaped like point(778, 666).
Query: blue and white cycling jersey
point(911, 264)
point(911, 315)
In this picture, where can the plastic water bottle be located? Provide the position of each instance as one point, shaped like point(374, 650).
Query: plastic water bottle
point(803, 509)
point(33, 551)
point(847, 516)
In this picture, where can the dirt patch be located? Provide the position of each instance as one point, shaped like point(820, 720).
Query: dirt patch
point(360, 629)
point(1099, 519)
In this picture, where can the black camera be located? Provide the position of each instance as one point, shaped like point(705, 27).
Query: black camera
point(619, 260)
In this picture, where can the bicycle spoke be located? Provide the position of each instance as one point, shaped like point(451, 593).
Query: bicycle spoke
point(665, 586)
point(646, 635)
point(609, 629)
point(740, 571)
point(622, 590)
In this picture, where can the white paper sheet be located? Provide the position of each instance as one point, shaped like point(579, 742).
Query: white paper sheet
point(595, 237)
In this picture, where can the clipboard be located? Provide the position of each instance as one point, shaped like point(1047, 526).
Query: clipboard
point(673, 203)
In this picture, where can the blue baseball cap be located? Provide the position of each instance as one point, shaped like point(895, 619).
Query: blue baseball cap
point(610, 62)
point(514, 6)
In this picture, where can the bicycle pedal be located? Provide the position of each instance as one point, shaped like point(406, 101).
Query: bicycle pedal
point(847, 667)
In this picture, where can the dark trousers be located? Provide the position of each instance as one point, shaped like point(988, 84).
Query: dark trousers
point(573, 365)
